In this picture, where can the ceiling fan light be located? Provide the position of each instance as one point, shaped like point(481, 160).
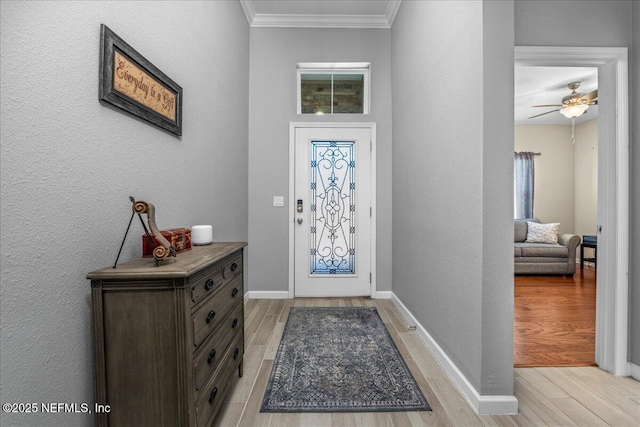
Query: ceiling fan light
point(573, 111)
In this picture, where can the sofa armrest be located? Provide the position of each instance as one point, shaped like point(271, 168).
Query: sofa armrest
point(571, 241)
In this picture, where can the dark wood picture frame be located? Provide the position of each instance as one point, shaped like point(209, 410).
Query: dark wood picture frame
point(134, 84)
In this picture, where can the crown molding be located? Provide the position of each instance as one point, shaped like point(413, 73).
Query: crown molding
point(392, 11)
point(267, 20)
point(249, 10)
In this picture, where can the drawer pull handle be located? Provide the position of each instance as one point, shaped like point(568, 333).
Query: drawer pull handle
point(210, 316)
point(209, 284)
point(212, 356)
point(235, 323)
point(234, 266)
point(213, 394)
point(234, 292)
point(235, 353)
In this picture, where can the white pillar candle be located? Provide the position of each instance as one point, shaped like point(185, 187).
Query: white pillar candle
point(201, 234)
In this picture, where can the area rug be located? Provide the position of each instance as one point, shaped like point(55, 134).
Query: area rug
point(339, 359)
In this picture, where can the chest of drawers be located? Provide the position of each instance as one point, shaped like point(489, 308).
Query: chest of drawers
point(168, 339)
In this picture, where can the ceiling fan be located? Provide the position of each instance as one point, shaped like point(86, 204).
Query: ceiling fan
point(573, 105)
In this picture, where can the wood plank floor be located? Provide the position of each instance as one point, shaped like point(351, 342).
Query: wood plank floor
point(548, 396)
point(555, 319)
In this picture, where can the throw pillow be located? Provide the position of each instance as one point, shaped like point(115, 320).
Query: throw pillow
point(542, 233)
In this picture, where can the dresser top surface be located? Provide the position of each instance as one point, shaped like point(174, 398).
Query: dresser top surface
point(186, 263)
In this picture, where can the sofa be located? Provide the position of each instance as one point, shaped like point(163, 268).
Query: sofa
point(543, 258)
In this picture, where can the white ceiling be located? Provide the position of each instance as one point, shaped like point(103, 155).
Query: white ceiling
point(533, 85)
point(314, 7)
point(321, 14)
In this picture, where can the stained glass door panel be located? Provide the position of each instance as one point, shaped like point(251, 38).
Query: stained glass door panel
point(332, 222)
point(332, 207)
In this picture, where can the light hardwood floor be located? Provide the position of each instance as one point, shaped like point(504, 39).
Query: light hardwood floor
point(547, 396)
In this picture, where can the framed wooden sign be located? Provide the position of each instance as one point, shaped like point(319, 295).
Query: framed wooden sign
point(130, 82)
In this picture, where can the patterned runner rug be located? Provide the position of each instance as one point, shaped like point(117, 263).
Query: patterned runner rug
point(339, 359)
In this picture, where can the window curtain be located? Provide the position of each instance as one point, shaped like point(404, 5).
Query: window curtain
point(524, 174)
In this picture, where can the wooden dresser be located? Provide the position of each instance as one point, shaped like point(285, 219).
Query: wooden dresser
point(168, 339)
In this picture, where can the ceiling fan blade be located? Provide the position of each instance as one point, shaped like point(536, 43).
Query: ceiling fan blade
point(591, 95)
point(548, 105)
point(538, 115)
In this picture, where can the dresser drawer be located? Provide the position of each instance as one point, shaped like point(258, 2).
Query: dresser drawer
point(205, 282)
point(232, 268)
point(208, 358)
point(212, 395)
point(213, 311)
point(208, 280)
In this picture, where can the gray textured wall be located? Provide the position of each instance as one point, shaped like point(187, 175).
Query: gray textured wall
point(596, 23)
point(573, 23)
point(497, 197)
point(452, 171)
point(274, 55)
point(634, 282)
point(69, 164)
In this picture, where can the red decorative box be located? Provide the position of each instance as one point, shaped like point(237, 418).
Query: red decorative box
point(180, 238)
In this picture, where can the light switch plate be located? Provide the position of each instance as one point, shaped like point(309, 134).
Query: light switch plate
point(278, 200)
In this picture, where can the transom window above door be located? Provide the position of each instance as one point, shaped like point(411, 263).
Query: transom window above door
point(333, 88)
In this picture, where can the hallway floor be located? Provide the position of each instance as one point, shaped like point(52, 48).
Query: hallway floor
point(582, 397)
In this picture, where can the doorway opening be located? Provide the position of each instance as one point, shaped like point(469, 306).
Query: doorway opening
point(556, 166)
point(613, 190)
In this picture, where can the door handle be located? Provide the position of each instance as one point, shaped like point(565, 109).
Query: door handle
point(299, 220)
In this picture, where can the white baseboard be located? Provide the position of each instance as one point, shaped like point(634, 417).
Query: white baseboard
point(285, 295)
point(484, 405)
point(267, 294)
point(382, 295)
point(635, 371)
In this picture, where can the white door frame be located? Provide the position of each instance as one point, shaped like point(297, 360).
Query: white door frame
point(292, 139)
point(612, 315)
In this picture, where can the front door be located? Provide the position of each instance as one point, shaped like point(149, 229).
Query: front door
point(333, 214)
